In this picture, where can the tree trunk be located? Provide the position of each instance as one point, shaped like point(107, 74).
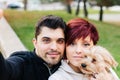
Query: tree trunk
point(78, 8)
point(68, 4)
point(101, 13)
point(25, 4)
point(85, 9)
point(69, 9)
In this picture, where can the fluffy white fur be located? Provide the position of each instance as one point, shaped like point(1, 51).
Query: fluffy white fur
point(96, 64)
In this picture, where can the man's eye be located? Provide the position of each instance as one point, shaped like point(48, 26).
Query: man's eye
point(61, 41)
point(46, 40)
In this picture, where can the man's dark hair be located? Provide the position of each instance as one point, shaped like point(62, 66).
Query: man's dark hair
point(50, 21)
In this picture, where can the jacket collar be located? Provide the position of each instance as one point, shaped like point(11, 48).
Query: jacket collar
point(40, 60)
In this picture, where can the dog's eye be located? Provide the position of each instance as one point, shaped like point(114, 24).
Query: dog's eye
point(85, 56)
point(93, 60)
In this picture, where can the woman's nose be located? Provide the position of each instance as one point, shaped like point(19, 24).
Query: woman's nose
point(78, 50)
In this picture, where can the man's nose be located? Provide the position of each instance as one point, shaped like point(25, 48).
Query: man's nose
point(54, 46)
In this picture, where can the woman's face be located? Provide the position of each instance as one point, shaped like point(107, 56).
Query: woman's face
point(75, 50)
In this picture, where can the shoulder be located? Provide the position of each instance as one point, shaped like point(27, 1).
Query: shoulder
point(21, 55)
point(56, 77)
point(60, 74)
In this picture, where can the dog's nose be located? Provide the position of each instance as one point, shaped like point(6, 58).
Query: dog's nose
point(83, 65)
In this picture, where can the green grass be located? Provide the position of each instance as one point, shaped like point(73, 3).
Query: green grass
point(23, 23)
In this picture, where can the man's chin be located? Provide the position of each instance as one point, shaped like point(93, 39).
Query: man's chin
point(53, 61)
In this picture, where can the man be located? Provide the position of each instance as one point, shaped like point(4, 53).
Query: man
point(49, 43)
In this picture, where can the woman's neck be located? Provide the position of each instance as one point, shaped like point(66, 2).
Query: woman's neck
point(75, 68)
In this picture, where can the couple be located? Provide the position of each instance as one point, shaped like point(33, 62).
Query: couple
point(52, 36)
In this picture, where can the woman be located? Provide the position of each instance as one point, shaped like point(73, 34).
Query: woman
point(81, 35)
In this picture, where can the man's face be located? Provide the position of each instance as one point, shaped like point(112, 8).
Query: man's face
point(50, 45)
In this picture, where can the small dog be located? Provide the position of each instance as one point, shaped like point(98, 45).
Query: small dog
point(96, 64)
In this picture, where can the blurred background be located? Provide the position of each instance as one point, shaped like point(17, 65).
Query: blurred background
point(71, 6)
point(22, 16)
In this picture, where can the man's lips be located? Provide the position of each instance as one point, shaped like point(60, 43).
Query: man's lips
point(53, 54)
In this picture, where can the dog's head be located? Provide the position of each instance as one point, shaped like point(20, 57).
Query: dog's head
point(96, 60)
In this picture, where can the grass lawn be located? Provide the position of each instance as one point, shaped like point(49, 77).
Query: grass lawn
point(23, 23)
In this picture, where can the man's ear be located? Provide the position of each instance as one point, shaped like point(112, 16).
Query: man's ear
point(34, 42)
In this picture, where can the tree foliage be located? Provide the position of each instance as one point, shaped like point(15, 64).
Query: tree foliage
point(106, 3)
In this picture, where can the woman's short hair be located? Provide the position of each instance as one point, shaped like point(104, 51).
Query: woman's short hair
point(80, 28)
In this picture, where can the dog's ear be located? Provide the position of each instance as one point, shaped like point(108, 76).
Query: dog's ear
point(108, 58)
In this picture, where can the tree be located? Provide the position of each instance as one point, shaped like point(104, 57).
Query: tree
point(116, 2)
point(68, 4)
point(78, 8)
point(25, 4)
point(106, 3)
point(85, 8)
point(101, 13)
point(102, 3)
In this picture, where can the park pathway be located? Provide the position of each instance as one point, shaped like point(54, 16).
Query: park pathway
point(9, 41)
point(111, 18)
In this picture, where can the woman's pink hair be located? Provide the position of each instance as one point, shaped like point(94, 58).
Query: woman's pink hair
point(80, 28)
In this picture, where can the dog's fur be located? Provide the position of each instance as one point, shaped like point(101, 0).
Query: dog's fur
point(96, 64)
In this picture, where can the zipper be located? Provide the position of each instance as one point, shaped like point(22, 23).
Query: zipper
point(48, 68)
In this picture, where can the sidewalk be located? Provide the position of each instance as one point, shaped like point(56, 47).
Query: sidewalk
point(9, 41)
point(109, 18)
point(106, 17)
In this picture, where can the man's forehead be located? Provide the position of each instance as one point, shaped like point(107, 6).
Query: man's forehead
point(52, 33)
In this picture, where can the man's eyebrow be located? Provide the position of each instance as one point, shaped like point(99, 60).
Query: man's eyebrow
point(45, 38)
point(49, 38)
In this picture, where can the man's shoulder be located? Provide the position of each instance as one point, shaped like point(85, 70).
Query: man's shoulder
point(22, 54)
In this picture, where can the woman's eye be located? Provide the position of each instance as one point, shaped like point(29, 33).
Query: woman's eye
point(86, 44)
point(72, 44)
